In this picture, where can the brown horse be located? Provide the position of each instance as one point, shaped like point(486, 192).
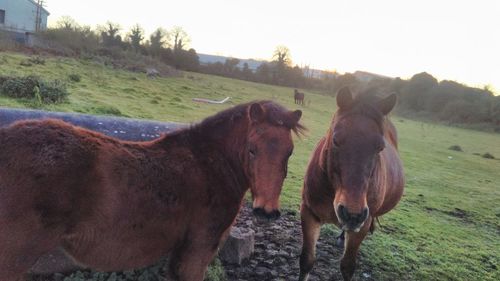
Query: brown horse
point(354, 176)
point(299, 97)
point(116, 205)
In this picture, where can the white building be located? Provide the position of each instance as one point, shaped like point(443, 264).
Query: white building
point(22, 16)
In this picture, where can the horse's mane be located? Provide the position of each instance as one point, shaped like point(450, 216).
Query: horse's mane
point(222, 121)
point(215, 126)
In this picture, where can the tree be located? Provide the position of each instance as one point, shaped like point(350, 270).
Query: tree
point(263, 73)
point(282, 56)
point(246, 73)
point(158, 40)
point(417, 91)
point(136, 36)
point(180, 38)
point(110, 36)
point(67, 23)
point(231, 67)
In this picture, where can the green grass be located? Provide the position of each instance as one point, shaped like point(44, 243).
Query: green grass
point(445, 228)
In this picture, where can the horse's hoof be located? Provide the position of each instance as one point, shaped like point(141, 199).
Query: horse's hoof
point(340, 242)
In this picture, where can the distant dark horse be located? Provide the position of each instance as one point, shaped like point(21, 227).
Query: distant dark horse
point(354, 176)
point(117, 205)
point(299, 97)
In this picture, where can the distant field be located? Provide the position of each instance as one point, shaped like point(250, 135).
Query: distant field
point(447, 226)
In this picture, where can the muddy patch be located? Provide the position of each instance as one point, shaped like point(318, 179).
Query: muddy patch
point(277, 251)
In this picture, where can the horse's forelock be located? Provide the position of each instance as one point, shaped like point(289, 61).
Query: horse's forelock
point(365, 104)
point(280, 116)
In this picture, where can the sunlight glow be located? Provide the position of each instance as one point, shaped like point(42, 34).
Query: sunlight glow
point(455, 40)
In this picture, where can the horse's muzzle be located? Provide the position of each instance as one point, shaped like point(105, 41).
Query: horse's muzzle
point(350, 221)
point(262, 216)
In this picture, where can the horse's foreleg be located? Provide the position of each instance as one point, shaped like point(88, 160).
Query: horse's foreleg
point(310, 234)
point(352, 242)
point(190, 262)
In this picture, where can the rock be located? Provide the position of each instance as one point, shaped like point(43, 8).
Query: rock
point(239, 246)
point(152, 72)
point(55, 261)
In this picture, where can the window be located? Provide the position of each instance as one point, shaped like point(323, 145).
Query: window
point(2, 16)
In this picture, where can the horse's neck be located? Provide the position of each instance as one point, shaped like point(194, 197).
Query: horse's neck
point(228, 146)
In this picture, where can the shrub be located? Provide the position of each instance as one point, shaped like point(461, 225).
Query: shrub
point(53, 92)
point(75, 77)
point(25, 63)
point(32, 87)
point(455, 148)
point(37, 60)
point(20, 87)
point(488, 156)
point(3, 79)
point(107, 110)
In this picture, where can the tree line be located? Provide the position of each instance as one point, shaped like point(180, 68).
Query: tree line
point(421, 96)
point(168, 46)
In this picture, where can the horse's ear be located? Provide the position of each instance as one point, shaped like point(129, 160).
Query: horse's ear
point(386, 105)
point(296, 116)
point(256, 112)
point(344, 98)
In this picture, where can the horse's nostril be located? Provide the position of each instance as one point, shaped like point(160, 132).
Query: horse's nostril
point(261, 214)
point(343, 213)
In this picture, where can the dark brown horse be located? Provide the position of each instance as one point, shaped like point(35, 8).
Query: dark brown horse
point(354, 176)
point(115, 205)
point(299, 97)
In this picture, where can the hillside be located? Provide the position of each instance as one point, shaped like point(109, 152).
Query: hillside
point(445, 228)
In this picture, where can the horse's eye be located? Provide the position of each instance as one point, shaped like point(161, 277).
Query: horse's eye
point(336, 142)
point(380, 146)
point(252, 153)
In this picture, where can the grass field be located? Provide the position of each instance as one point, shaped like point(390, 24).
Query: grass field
point(447, 226)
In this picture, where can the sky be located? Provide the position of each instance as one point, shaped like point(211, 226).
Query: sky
point(450, 39)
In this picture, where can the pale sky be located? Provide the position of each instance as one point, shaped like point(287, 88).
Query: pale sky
point(455, 40)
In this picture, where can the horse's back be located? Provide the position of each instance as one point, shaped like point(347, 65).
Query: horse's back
point(44, 169)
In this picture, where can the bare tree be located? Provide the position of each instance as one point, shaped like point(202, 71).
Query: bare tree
point(282, 56)
point(67, 22)
point(180, 38)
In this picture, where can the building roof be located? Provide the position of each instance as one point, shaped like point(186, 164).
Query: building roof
point(35, 3)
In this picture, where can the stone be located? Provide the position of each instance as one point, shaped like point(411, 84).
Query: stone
point(238, 246)
point(55, 261)
point(152, 72)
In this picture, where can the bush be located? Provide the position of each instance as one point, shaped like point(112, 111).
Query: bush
point(107, 110)
point(3, 79)
point(32, 87)
point(53, 92)
point(37, 60)
point(25, 63)
point(20, 87)
point(75, 77)
point(455, 148)
point(488, 156)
